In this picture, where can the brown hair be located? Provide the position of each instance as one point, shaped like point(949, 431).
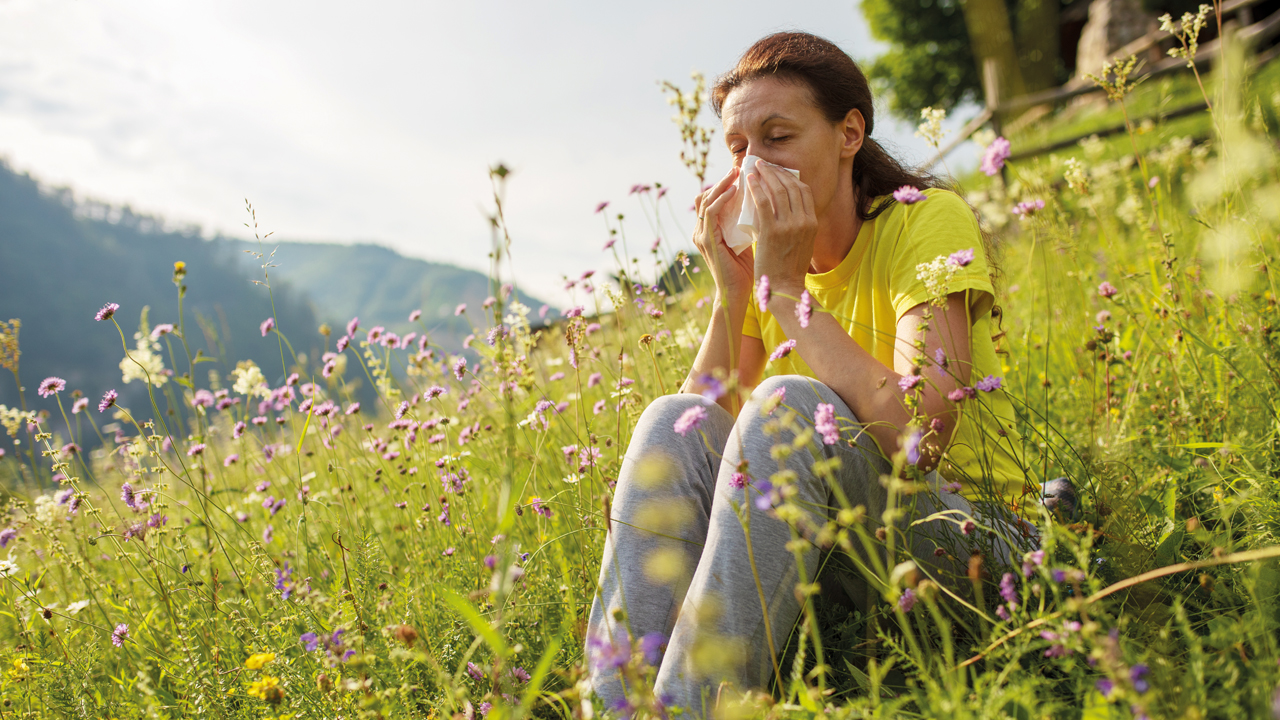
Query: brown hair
point(838, 86)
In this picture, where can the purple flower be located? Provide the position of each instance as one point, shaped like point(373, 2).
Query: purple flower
point(283, 582)
point(908, 382)
point(475, 672)
point(343, 343)
point(521, 675)
point(993, 159)
point(606, 654)
point(909, 195)
point(712, 388)
point(989, 383)
point(824, 421)
point(195, 450)
point(1107, 290)
point(119, 634)
point(736, 480)
point(413, 316)
point(690, 420)
point(485, 708)
point(765, 500)
point(310, 640)
point(1008, 590)
point(960, 258)
point(108, 399)
point(907, 600)
point(651, 646)
point(352, 326)
point(1106, 687)
point(784, 349)
point(352, 409)
point(961, 393)
point(574, 312)
point(6, 535)
point(1028, 208)
point(1138, 676)
point(51, 386)
point(267, 326)
point(460, 367)
point(490, 561)
point(268, 534)
point(106, 312)
point(912, 446)
point(1033, 561)
point(804, 309)
point(79, 405)
point(763, 293)
point(540, 506)
point(1058, 575)
point(230, 460)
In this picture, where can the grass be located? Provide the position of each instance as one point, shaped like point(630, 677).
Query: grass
point(435, 555)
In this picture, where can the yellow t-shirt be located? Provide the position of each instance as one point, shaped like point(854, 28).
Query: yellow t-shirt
point(876, 284)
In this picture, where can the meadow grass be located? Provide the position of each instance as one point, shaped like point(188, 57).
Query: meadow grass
point(238, 550)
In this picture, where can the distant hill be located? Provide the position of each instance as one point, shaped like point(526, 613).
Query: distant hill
point(382, 287)
point(61, 259)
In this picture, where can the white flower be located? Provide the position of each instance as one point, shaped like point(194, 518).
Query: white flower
point(144, 362)
point(1075, 176)
point(936, 276)
point(250, 380)
point(13, 419)
point(48, 511)
point(8, 567)
point(77, 606)
point(931, 129)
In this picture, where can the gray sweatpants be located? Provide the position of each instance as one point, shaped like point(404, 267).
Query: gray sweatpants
point(677, 566)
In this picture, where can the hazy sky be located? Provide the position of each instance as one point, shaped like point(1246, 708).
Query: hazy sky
point(377, 121)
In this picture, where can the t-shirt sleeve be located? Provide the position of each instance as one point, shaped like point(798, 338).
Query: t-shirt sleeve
point(751, 323)
point(938, 228)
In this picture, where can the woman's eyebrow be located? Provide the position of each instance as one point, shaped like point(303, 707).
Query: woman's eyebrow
point(773, 117)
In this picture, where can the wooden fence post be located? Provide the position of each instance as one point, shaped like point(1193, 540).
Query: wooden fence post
point(991, 89)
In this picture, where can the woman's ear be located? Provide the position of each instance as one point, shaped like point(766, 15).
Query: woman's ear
point(853, 130)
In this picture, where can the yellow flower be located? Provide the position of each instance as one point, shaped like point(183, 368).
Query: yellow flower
point(19, 668)
point(257, 660)
point(268, 689)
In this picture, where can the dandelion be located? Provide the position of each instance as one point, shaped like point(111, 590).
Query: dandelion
point(804, 309)
point(824, 422)
point(690, 420)
point(784, 349)
point(1107, 290)
point(119, 634)
point(989, 383)
point(51, 386)
point(106, 312)
point(267, 326)
point(995, 156)
point(909, 195)
point(763, 293)
point(79, 405)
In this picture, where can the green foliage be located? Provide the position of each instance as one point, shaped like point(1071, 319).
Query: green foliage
point(929, 62)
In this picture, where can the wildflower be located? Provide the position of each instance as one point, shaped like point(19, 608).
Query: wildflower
point(995, 156)
point(594, 379)
point(51, 386)
point(967, 527)
point(283, 580)
point(1028, 208)
point(606, 654)
point(599, 407)
point(961, 393)
point(521, 675)
point(1107, 290)
point(912, 446)
point(195, 450)
point(989, 383)
point(951, 487)
point(488, 302)
point(79, 405)
point(909, 195)
point(600, 208)
point(202, 398)
point(267, 326)
point(784, 349)
point(485, 708)
point(119, 634)
point(70, 449)
point(824, 421)
point(1106, 687)
point(690, 420)
point(574, 312)
point(413, 316)
point(310, 640)
point(763, 293)
point(907, 600)
point(230, 460)
point(540, 506)
point(960, 258)
point(257, 660)
point(7, 535)
point(267, 689)
point(931, 129)
point(1075, 176)
point(737, 481)
point(804, 309)
point(909, 382)
point(1137, 676)
point(1034, 560)
point(161, 330)
point(106, 312)
point(460, 367)
point(611, 244)
point(764, 501)
point(1008, 590)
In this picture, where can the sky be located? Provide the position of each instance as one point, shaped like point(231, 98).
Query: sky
point(378, 121)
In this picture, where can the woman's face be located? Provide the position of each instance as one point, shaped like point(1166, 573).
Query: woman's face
point(778, 121)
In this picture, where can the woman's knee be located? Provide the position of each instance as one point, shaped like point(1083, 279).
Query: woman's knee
point(797, 391)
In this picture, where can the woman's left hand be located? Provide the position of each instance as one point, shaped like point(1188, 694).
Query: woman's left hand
point(788, 226)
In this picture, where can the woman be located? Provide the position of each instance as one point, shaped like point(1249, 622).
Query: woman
point(835, 271)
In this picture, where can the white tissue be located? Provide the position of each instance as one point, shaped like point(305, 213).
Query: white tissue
point(740, 236)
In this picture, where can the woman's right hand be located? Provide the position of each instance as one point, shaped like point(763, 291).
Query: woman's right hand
point(734, 274)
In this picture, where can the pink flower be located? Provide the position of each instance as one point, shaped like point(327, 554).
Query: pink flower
point(574, 312)
point(413, 316)
point(600, 208)
point(909, 382)
point(1107, 290)
point(51, 386)
point(1028, 208)
point(993, 159)
point(988, 384)
point(804, 309)
point(230, 460)
point(352, 326)
point(737, 481)
point(908, 195)
point(460, 367)
point(106, 312)
point(824, 421)
point(267, 326)
point(960, 258)
point(784, 349)
point(691, 419)
point(119, 634)
point(195, 450)
point(79, 405)
point(160, 330)
point(763, 293)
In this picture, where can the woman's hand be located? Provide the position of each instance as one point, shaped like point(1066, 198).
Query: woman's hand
point(788, 227)
point(733, 273)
